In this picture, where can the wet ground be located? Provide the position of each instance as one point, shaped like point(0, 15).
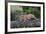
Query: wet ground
point(26, 24)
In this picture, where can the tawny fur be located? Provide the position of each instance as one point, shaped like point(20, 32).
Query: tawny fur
point(25, 17)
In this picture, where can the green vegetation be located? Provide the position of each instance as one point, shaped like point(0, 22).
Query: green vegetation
point(24, 10)
point(32, 10)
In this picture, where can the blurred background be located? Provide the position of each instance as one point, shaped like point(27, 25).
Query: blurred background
point(17, 10)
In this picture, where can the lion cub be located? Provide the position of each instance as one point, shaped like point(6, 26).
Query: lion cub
point(25, 17)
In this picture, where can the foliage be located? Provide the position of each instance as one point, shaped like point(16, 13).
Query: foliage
point(24, 10)
point(32, 10)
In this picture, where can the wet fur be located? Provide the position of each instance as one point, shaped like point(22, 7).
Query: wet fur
point(25, 17)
